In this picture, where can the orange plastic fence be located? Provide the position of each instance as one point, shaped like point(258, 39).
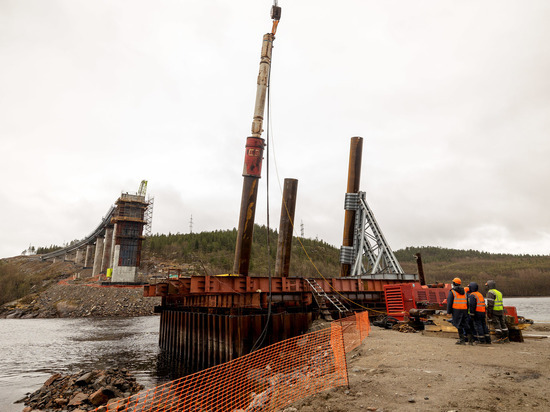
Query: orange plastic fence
point(265, 380)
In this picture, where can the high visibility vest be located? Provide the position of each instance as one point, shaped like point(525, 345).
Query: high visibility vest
point(459, 301)
point(498, 300)
point(480, 307)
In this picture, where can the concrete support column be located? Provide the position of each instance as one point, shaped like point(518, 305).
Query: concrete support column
point(79, 256)
point(114, 260)
point(89, 254)
point(71, 257)
point(107, 246)
point(98, 256)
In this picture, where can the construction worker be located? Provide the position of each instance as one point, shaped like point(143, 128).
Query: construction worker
point(457, 305)
point(495, 312)
point(469, 330)
point(476, 308)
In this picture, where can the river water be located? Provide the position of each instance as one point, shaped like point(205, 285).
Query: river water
point(537, 309)
point(31, 350)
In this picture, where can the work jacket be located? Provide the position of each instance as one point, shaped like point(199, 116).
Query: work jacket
point(494, 301)
point(451, 298)
point(459, 301)
point(477, 303)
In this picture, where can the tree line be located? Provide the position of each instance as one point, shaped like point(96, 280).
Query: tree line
point(515, 275)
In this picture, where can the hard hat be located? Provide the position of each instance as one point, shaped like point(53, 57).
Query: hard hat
point(457, 281)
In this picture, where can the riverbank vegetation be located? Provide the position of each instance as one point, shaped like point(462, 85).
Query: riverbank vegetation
point(24, 276)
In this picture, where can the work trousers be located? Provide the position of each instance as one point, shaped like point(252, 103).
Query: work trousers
point(498, 322)
point(480, 325)
point(460, 320)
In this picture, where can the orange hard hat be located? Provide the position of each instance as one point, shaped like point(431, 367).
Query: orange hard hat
point(457, 281)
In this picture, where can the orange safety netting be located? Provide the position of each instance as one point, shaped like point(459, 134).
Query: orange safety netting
point(265, 380)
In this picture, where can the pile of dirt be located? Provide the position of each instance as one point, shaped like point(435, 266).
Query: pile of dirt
point(71, 300)
point(84, 391)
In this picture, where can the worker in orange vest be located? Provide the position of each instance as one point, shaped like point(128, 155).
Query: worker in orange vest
point(469, 330)
point(457, 305)
point(476, 307)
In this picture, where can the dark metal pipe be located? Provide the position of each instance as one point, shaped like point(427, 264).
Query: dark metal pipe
point(420, 268)
point(253, 164)
point(286, 226)
point(243, 247)
point(354, 178)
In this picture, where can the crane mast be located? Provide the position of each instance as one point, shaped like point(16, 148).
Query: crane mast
point(254, 150)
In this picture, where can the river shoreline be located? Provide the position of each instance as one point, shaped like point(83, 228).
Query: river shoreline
point(73, 299)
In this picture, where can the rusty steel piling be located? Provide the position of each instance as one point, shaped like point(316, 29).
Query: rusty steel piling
point(354, 178)
point(253, 164)
point(420, 267)
point(286, 228)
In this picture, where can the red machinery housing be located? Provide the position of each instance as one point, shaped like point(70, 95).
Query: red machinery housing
point(402, 297)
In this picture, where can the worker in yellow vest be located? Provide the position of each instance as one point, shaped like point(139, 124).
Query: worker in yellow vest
point(495, 312)
point(457, 306)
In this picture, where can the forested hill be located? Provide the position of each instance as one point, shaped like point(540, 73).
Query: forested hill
point(215, 252)
point(516, 275)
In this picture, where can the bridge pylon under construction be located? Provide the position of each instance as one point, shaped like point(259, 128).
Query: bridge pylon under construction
point(113, 249)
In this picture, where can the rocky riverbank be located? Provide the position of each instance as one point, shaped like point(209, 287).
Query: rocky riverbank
point(84, 391)
point(78, 298)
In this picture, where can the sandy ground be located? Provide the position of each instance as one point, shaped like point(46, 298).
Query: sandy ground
point(393, 371)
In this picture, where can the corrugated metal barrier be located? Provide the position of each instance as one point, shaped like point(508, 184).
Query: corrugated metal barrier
point(265, 380)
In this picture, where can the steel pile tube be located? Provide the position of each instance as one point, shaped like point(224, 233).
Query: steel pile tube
point(354, 178)
point(286, 226)
point(253, 164)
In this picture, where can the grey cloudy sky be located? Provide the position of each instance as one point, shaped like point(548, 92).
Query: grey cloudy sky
point(452, 99)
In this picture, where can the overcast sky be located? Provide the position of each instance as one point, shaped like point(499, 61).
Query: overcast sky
point(452, 99)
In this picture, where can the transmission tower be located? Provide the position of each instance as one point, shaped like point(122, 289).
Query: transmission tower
point(191, 224)
point(302, 229)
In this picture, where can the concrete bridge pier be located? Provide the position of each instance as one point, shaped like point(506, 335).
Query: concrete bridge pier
point(89, 254)
point(98, 255)
point(79, 258)
point(112, 261)
point(107, 247)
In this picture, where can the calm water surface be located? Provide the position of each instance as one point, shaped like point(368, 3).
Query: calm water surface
point(537, 309)
point(33, 349)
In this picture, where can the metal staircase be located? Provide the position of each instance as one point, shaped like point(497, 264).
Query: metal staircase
point(321, 297)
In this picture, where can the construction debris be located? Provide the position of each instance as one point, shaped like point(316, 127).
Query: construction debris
point(404, 328)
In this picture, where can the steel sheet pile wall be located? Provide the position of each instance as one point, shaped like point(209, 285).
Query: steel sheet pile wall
point(267, 380)
point(193, 341)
